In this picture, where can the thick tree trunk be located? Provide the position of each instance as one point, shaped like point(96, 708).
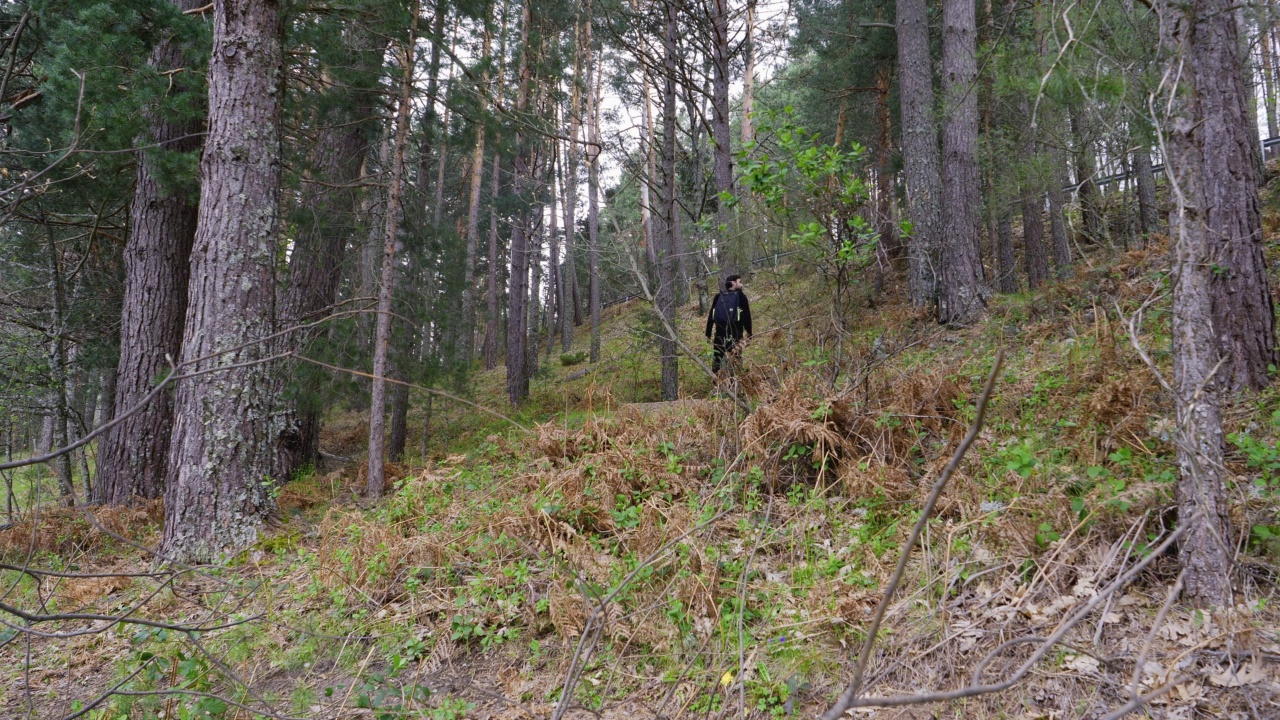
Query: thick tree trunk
point(1223, 320)
point(963, 293)
point(221, 453)
point(666, 295)
point(315, 267)
point(919, 150)
point(133, 456)
point(386, 289)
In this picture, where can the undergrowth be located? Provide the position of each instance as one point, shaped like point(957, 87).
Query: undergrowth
point(694, 558)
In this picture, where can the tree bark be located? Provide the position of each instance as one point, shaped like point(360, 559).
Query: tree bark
point(1058, 214)
point(749, 76)
point(473, 221)
point(1007, 280)
point(884, 173)
point(732, 258)
point(59, 435)
point(390, 242)
point(221, 451)
point(1267, 70)
point(963, 292)
point(554, 287)
point(1223, 320)
point(1034, 256)
point(329, 195)
point(569, 310)
point(1095, 228)
point(491, 321)
point(1148, 211)
point(518, 284)
point(133, 456)
point(919, 150)
point(593, 189)
point(666, 295)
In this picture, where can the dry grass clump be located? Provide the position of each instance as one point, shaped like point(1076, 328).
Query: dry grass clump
point(370, 560)
point(869, 434)
point(69, 531)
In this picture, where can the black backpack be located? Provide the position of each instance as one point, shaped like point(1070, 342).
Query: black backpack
point(725, 310)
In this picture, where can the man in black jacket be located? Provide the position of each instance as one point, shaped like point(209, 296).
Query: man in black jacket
point(729, 318)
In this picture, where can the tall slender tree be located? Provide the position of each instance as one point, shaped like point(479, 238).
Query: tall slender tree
point(386, 288)
point(963, 292)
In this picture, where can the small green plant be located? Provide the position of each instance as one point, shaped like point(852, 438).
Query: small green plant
point(451, 708)
point(770, 695)
point(573, 358)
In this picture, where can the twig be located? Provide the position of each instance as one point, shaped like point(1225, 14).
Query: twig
point(864, 656)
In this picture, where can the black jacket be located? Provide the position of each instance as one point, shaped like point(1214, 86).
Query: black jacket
point(735, 328)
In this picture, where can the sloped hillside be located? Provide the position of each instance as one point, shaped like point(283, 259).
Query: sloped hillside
point(692, 559)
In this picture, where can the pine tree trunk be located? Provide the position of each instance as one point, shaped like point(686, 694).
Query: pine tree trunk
point(133, 456)
point(554, 289)
point(221, 452)
point(1034, 256)
point(1267, 71)
point(315, 267)
point(1058, 215)
point(473, 225)
point(593, 190)
point(884, 170)
point(518, 284)
point(666, 296)
point(1223, 320)
point(919, 150)
point(749, 76)
point(399, 433)
point(59, 435)
point(386, 289)
point(1007, 280)
point(649, 171)
point(491, 317)
point(963, 293)
point(1148, 211)
point(1095, 229)
point(732, 258)
point(569, 310)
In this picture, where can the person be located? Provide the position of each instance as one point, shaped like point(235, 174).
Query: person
point(729, 319)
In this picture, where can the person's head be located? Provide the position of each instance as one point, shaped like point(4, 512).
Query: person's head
point(733, 282)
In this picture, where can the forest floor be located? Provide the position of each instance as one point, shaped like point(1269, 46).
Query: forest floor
point(691, 560)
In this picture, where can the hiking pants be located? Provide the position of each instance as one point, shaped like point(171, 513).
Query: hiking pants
point(722, 344)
